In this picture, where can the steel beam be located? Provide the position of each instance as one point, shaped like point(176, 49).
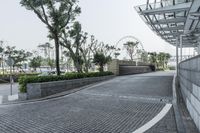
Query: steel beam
point(172, 34)
point(181, 27)
point(167, 21)
point(189, 23)
point(168, 9)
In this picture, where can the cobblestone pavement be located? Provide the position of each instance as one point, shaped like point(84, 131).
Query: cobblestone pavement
point(120, 105)
point(166, 125)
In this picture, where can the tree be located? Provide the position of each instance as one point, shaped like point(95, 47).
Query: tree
point(2, 55)
point(116, 54)
point(18, 56)
point(143, 56)
point(46, 47)
point(167, 57)
point(153, 58)
point(160, 60)
point(100, 59)
point(73, 42)
point(86, 52)
point(131, 48)
point(56, 15)
point(103, 54)
point(163, 59)
point(69, 61)
point(35, 62)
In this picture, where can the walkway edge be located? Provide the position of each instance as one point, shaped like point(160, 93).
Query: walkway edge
point(155, 120)
point(55, 96)
point(178, 118)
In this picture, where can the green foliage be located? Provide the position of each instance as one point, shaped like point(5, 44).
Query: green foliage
point(18, 56)
point(73, 41)
point(131, 48)
point(56, 15)
point(100, 59)
point(18, 75)
point(24, 80)
point(172, 68)
point(160, 60)
point(35, 62)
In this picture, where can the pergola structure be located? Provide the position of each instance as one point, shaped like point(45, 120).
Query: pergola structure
point(175, 21)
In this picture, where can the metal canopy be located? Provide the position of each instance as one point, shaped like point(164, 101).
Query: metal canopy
point(171, 19)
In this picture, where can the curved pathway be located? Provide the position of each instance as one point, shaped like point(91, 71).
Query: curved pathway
point(122, 105)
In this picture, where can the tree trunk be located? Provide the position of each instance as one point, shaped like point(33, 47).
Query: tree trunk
point(57, 55)
point(78, 67)
point(100, 68)
point(3, 64)
point(22, 69)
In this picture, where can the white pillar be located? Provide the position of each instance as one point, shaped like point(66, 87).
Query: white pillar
point(177, 59)
point(181, 47)
point(198, 50)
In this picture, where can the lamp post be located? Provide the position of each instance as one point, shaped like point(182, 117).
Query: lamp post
point(10, 63)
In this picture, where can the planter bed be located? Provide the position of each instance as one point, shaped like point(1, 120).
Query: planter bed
point(39, 90)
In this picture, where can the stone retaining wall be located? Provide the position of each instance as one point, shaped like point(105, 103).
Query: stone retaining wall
point(39, 90)
point(125, 70)
point(115, 65)
point(189, 79)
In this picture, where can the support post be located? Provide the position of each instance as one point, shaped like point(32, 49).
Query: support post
point(181, 47)
point(177, 54)
point(147, 6)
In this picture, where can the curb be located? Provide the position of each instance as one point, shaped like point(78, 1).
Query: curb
point(179, 120)
point(56, 96)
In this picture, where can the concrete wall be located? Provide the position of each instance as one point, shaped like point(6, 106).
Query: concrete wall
point(125, 70)
point(189, 78)
point(115, 66)
point(39, 90)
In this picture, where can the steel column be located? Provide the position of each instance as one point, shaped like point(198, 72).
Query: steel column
point(181, 47)
point(177, 54)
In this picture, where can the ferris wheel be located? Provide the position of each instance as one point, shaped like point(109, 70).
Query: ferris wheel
point(120, 45)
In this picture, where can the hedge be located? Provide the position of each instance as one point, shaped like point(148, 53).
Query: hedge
point(24, 80)
point(6, 77)
point(18, 75)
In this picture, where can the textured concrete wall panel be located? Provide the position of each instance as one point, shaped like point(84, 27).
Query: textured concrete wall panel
point(189, 78)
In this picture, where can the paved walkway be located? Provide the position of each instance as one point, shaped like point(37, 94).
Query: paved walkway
point(124, 104)
point(5, 92)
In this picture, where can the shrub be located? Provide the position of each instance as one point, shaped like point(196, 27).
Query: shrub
point(24, 80)
point(172, 68)
point(18, 75)
point(152, 67)
point(6, 77)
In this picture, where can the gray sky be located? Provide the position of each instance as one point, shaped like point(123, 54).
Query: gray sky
point(107, 20)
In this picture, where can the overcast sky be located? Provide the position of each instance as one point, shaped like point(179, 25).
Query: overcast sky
point(107, 20)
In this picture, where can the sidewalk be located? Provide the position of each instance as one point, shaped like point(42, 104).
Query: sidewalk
point(125, 104)
point(5, 92)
